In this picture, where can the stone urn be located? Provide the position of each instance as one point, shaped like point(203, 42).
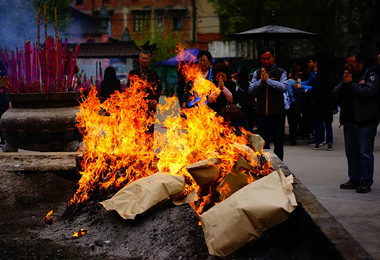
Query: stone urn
point(42, 122)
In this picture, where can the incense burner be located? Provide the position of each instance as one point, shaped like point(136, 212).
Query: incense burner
point(41, 122)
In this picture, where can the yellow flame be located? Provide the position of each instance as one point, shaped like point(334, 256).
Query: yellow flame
point(118, 149)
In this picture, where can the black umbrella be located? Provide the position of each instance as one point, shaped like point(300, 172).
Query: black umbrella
point(274, 32)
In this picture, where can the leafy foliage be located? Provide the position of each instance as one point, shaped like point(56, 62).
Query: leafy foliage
point(360, 16)
point(63, 11)
point(165, 43)
point(328, 18)
point(356, 16)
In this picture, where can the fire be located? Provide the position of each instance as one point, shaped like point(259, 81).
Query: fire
point(49, 218)
point(79, 234)
point(117, 149)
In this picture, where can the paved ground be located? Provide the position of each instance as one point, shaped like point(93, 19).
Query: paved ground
point(322, 171)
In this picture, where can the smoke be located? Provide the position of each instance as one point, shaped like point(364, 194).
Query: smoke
point(19, 24)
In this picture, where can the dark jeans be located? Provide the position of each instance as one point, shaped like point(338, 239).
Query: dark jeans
point(359, 143)
point(273, 125)
point(319, 132)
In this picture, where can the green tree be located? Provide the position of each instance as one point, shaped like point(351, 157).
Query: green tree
point(63, 11)
point(165, 43)
point(314, 16)
point(361, 17)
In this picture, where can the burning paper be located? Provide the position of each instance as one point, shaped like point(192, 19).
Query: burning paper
point(118, 150)
point(49, 218)
point(205, 171)
point(247, 213)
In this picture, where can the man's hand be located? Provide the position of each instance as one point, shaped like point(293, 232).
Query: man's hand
point(264, 75)
point(347, 77)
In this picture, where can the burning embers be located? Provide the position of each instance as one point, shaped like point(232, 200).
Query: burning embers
point(78, 234)
point(49, 218)
point(118, 150)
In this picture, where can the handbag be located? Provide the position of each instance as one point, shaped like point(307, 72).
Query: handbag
point(231, 111)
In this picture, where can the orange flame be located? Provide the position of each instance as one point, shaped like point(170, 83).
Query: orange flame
point(49, 218)
point(79, 234)
point(118, 149)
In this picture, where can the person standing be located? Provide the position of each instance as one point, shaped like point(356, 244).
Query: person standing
point(322, 107)
point(376, 68)
point(151, 76)
point(305, 100)
point(110, 83)
point(268, 86)
point(291, 113)
point(225, 92)
point(204, 61)
point(357, 94)
point(242, 97)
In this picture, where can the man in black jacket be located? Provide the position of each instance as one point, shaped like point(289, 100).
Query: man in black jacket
point(357, 94)
point(151, 76)
point(268, 85)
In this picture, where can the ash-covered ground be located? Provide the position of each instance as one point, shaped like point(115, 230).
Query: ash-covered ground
point(169, 232)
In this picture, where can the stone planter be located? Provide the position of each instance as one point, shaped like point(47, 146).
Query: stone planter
point(41, 122)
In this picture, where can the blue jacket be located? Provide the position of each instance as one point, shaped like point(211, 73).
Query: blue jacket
point(306, 85)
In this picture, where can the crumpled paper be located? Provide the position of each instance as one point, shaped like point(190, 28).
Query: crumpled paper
point(139, 196)
point(205, 171)
point(244, 215)
point(257, 142)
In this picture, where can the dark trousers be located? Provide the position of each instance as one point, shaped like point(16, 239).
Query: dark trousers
point(243, 122)
point(359, 143)
point(272, 126)
point(319, 132)
point(291, 114)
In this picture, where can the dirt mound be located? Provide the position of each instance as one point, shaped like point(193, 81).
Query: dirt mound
point(169, 232)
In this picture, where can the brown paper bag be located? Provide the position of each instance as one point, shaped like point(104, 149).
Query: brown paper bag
point(142, 194)
point(235, 179)
point(257, 142)
point(205, 171)
point(248, 212)
point(252, 155)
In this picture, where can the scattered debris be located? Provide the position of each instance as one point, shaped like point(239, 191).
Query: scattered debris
point(79, 234)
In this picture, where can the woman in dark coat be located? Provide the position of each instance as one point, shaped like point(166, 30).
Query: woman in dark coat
point(110, 83)
point(323, 106)
point(227, 89)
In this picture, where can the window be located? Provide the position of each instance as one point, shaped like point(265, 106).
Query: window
point(177, 17)
point(160, 20)
point(177, 24)
point(141, 20)
point(79, 2)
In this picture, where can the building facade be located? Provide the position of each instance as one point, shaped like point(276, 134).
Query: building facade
point(196, 20)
